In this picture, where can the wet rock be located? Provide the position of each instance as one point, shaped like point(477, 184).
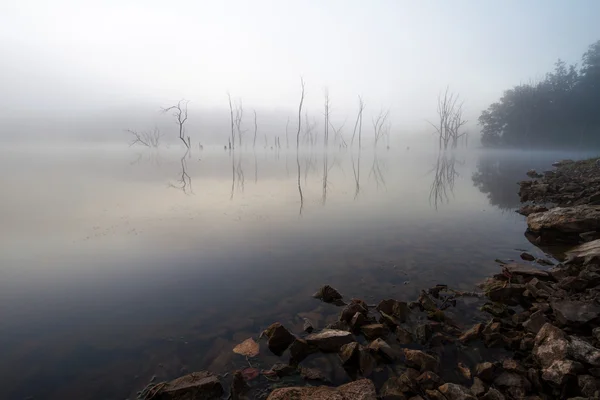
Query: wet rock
point(478, 388)
point(550, 345)
point(530, 209)
point(574, 312)
point(201, 385)
point(328, 294)
point(471, 334)
point(510, 294)
point(543, 261)
point(358, 390)
point(528, 271)
point(339, 326)
point(329, 340)
point(423, 333)
point(485, 371)
point(393, 312)
point(561, 372)
point(418, 359)
point(349, 354)
point(238, 386)
point(358, 320)
point(308, 326)
point(300, 349)
point(493, 394)
point(281, 369)
point(366, 361)
point(535, 322)
point(403, 336)
point(426, 302)
point(398, 387)
point(381, 348)
point(355, 306)
point(428, 380)
point(279, 338)
point(538, 288)
point(440, 339)
point(374, 331)
point(464, 370)
point(496, 309)
point(588, 385)
point(565, 223)
point(582, 351)
point(313, 374)
point(453, 391)
point(527, 257)
point(562, 163)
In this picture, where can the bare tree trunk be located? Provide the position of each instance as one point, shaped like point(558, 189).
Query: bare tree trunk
point(255, 130)
point(232, 140)
point(300, 115)
point(326, 114)
point(358, 123)
point(181, 113)
point(287, 140)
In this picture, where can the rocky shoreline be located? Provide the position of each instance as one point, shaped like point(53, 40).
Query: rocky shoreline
point(539, 337)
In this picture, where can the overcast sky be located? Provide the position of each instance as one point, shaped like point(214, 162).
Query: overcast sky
point(59, 55)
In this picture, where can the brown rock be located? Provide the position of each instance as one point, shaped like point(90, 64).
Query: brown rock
point(512, 365)
point(366, 361)
point(530, 209)
point(428, 380)
point(453, 391)
point(478, 388)
point(535, 322)
point(313, 374)
point(381, 348)
point(510, 294)
point(358, 390)
point(587, 253)
point(403, 336)
point(435, 395)
point(418, 359)
point(308, 326)
point(464, 370)
point(393, 312)
point(485, 371)
point(471, 334)
point(493, 394)
point(426, 302)
point(566, 221)
point(329, 340)
point(281, 369)
point(528, 271)
point(550, 345)
point(238, 386)
point(201, 385)
point(279, 338)
point(527, 257)
point(355, 306)
point(358, 320)
point(575, 312)
point(582, 351)
point(328, 294)
point(349, 354)
point(588, 385)
point(561, 372)
point(300, 349)
point(374, 331)
point(398, 387)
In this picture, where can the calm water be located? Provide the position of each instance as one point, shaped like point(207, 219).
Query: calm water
point(118, 265)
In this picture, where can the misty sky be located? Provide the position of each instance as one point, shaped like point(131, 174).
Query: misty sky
point(72, 55)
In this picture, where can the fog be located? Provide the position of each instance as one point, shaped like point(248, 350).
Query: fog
point(74, 70)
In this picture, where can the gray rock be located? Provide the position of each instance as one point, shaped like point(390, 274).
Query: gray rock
point(329, 340)
point(358, 390)
point(493, 394)
point(588, 385)
point(584, 352)
point(453, 391)
point(308, 326)
point(550, 345)
point(201, 385)
point(560, 372)
point(566, 220)
point(300, 349)
point(575, 312)
point(535, 322)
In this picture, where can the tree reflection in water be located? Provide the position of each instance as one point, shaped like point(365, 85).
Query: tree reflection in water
point(184, 182)
point(443, 183)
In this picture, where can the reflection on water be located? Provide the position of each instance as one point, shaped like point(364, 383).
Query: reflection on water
point(108, 278)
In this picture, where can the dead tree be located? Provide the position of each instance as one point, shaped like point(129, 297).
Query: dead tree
point(380, 126)
point(146, 138)
point(450, 119)
point(180, 111)
point(287, 140)
point(358, 123)
point(255, 130)
point(232, 139)
point(239, 115)
point(326, 114)
point(300, 115)
point(337, 134)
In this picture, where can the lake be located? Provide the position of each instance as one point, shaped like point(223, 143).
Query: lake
point(121, 265)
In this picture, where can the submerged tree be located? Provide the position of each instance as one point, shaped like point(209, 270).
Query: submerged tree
point(449, 111)
point(180, 111)
point(146, 138)
point(358, 124)
point(380, 126)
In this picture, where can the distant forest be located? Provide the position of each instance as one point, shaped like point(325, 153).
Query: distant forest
point(563, 109)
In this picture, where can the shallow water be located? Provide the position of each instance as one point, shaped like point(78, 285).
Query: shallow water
point(117, 264)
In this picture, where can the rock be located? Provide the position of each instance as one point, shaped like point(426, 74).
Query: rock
point(366, 361)
point(435, 395)
point(535, 322)
point(428, 380)
point(510, 294)
point(493, 394)
point(543, 261)
point(201, 385)
point(562, 163)
point(393, 312)
point(538, 289)
point(527, 257)
point(514, 384)
point(485, 371)
point(300, 349)
point(418, 359)
point(575, 312)
point(349, 354)
point(560, 372)
point(511, 365)
point(596, 333)
point(403, 336)
point(358, 390)
point(587, 253)
point(440, 339)
point(582, 351)
point(533, 174)
point(308, 326)
point(329, 340)
point(380, 347)
point(339, 326)
point(528, 271)
point(358, 320)
point(373, 331)
point(313, 374)
point(238, 386)
point(478, 388)
point(426, 302)
point(279, 338)
point(281, 369)
point(550, 345)
point(565, 223)
point(464, 370)
point(355, 306)
point(531, 209)
point(588, 385)
point(496, 309)
point(328, 294)
point(398, 387)
point(453, 391)
point(573, 284)
point(533, 376)
point(471, 334)
point(423, 333)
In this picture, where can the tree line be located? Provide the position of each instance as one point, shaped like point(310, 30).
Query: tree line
point(562, 109)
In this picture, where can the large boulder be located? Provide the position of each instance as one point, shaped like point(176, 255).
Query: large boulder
point(550, 346)
point(393, 312)
point(587, 253)
point(358, 390)
point(329, 340)
point(279, 338)
point(201, 385)
point(581, 350)
point(528, 271)
point(575, 312)
point(565, 223)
